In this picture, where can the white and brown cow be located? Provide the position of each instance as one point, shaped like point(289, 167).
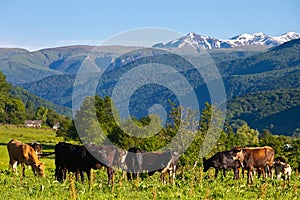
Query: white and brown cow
point(282, 167)
point(254, 157)
point(20, 152)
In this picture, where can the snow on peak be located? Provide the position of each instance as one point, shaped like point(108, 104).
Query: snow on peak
point(197, 41)
point(287, 37)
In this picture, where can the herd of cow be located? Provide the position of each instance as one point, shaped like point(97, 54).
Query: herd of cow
point(81, 159)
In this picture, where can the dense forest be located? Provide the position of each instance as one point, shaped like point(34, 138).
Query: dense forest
point(18, 105)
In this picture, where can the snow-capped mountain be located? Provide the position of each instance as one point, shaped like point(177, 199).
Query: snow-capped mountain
point(198, 41)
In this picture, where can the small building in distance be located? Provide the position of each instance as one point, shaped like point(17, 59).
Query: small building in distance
point(56, 126)
point(33, 123)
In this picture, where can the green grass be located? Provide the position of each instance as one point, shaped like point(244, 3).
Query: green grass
point(190, 184)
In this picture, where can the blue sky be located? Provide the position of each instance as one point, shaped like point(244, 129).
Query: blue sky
point(39, 24)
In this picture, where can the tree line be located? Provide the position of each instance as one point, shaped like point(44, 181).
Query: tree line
point(105, 125)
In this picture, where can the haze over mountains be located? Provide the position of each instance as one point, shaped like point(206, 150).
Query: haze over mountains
point(252, 66)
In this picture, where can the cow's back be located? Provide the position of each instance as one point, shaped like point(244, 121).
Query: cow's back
point(259, 156)
point(156, 161)
point(21, 152)
point(14, 148)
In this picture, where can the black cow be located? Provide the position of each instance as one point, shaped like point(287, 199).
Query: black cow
point(222, 161)
point(138, 161)
point(78, 159)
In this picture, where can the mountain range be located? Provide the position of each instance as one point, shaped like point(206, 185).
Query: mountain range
point(198, 41)
point(260, 74)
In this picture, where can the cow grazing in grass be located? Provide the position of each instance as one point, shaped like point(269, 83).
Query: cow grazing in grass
point(76, 158)
point(138, 161)
point(282, 167)
point(20, 152)
point(222, 161)
point(254, 157)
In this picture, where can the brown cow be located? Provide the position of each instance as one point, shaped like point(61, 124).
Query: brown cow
point(254, 157)
point(20, 152)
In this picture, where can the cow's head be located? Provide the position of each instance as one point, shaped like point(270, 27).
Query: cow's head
point(237, 154)
point(40, 169)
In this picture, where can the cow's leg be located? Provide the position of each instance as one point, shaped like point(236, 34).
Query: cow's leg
point(59, 173)
point(224, 173)
point(278, 175)
point(236, 173)
point(266, 171)
point(23, 169)
point(250, 176)
point(129, 176)
point(216, 173)
point(64, 173)
point(272, 171)
point(258, 172)
point(110, 174)
point(33, 169)
point(77, 172)
point(162, 177)
point(173, 174)
point(88, 173)
point(14, 165)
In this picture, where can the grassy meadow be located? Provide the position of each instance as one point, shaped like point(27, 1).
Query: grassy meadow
point(190, 183)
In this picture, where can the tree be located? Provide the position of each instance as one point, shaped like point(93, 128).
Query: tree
point(14, 111)
point(4, 96)
point(41, 113)
point(247, 136)
point(67, 130)
point(30, 110)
